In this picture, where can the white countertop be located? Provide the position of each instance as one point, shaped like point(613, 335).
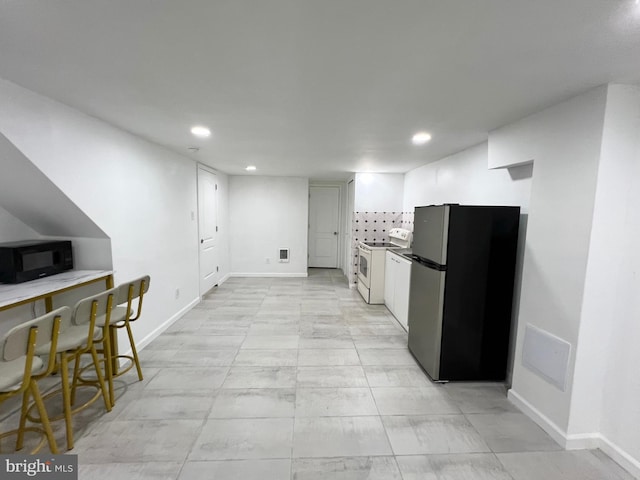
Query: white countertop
point(19, 292)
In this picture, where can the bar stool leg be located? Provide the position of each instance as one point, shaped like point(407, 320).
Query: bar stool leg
point(35, 391)
point(134, 351)
point(103, 387)
point(23, 419)
point(66, 398)
point(76, 375)
point(107, 363)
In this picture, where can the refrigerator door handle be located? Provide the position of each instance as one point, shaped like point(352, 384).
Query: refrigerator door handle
point(429, 264)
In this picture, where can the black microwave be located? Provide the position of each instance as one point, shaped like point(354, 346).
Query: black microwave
point(32, 259)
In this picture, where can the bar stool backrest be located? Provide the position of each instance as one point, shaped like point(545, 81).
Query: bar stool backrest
point(16, 342)
point(89, 309)
point(129, 291)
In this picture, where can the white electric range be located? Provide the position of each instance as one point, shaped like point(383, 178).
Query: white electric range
point(371, 261)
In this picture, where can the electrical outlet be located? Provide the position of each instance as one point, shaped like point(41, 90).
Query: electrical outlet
point(177, 293)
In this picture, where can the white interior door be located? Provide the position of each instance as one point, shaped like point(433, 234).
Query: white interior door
point(207, 228)
point(324, 221)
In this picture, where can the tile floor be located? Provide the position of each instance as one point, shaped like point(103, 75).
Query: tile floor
point(297, 378)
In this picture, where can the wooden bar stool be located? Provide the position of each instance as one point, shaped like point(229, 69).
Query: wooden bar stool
point(20, 370)
point(122, 317)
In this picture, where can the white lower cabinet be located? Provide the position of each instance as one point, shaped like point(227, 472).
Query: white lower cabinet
point(397, 277)
point(389, 280)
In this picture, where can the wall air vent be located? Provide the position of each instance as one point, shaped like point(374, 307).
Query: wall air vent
point(546, 355)
point(284, 255)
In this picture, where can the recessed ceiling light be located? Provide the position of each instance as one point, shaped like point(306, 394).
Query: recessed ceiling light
point(421, 138)
point(251, 168)
point(200, 131)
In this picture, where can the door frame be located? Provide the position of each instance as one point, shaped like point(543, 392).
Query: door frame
point(341, 209)
point(202, 166)
point(349, 211)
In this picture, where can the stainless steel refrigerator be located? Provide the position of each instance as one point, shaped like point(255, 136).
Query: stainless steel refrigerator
point(462, 273)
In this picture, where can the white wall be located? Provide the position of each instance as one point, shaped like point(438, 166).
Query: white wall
point(13, 229)
point(27, 193)
point(606, 387)
point(139, 194)
point(266, 214)
point(48, 211)
point(621, 409)
point(378, 192)
point(464, 178)
point(564, 142)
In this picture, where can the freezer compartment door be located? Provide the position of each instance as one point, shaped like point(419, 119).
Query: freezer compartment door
point(430, 233)
point(425, 316)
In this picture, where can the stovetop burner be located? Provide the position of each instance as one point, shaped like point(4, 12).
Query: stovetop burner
point(380, 244)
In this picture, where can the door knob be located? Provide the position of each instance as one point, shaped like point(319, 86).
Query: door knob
point(335, 233)
point(202, 240)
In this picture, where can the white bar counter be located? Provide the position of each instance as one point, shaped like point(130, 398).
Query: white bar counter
point(14, 295)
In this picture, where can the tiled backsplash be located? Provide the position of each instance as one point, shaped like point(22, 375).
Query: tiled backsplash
point(374, 227)
point(407, 220)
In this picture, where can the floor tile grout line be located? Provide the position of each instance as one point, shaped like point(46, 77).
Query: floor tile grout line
point(299, 322)
point(295, 403)
point(386, 433)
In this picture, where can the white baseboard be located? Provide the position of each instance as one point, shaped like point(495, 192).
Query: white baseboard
point(224, 279)
point(581, 441)
point(542, 420)
point(620, 456)
point(268, 275)
point(577, 441)
point(161, 328)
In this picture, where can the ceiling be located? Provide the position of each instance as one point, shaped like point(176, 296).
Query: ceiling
point(316, 88)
